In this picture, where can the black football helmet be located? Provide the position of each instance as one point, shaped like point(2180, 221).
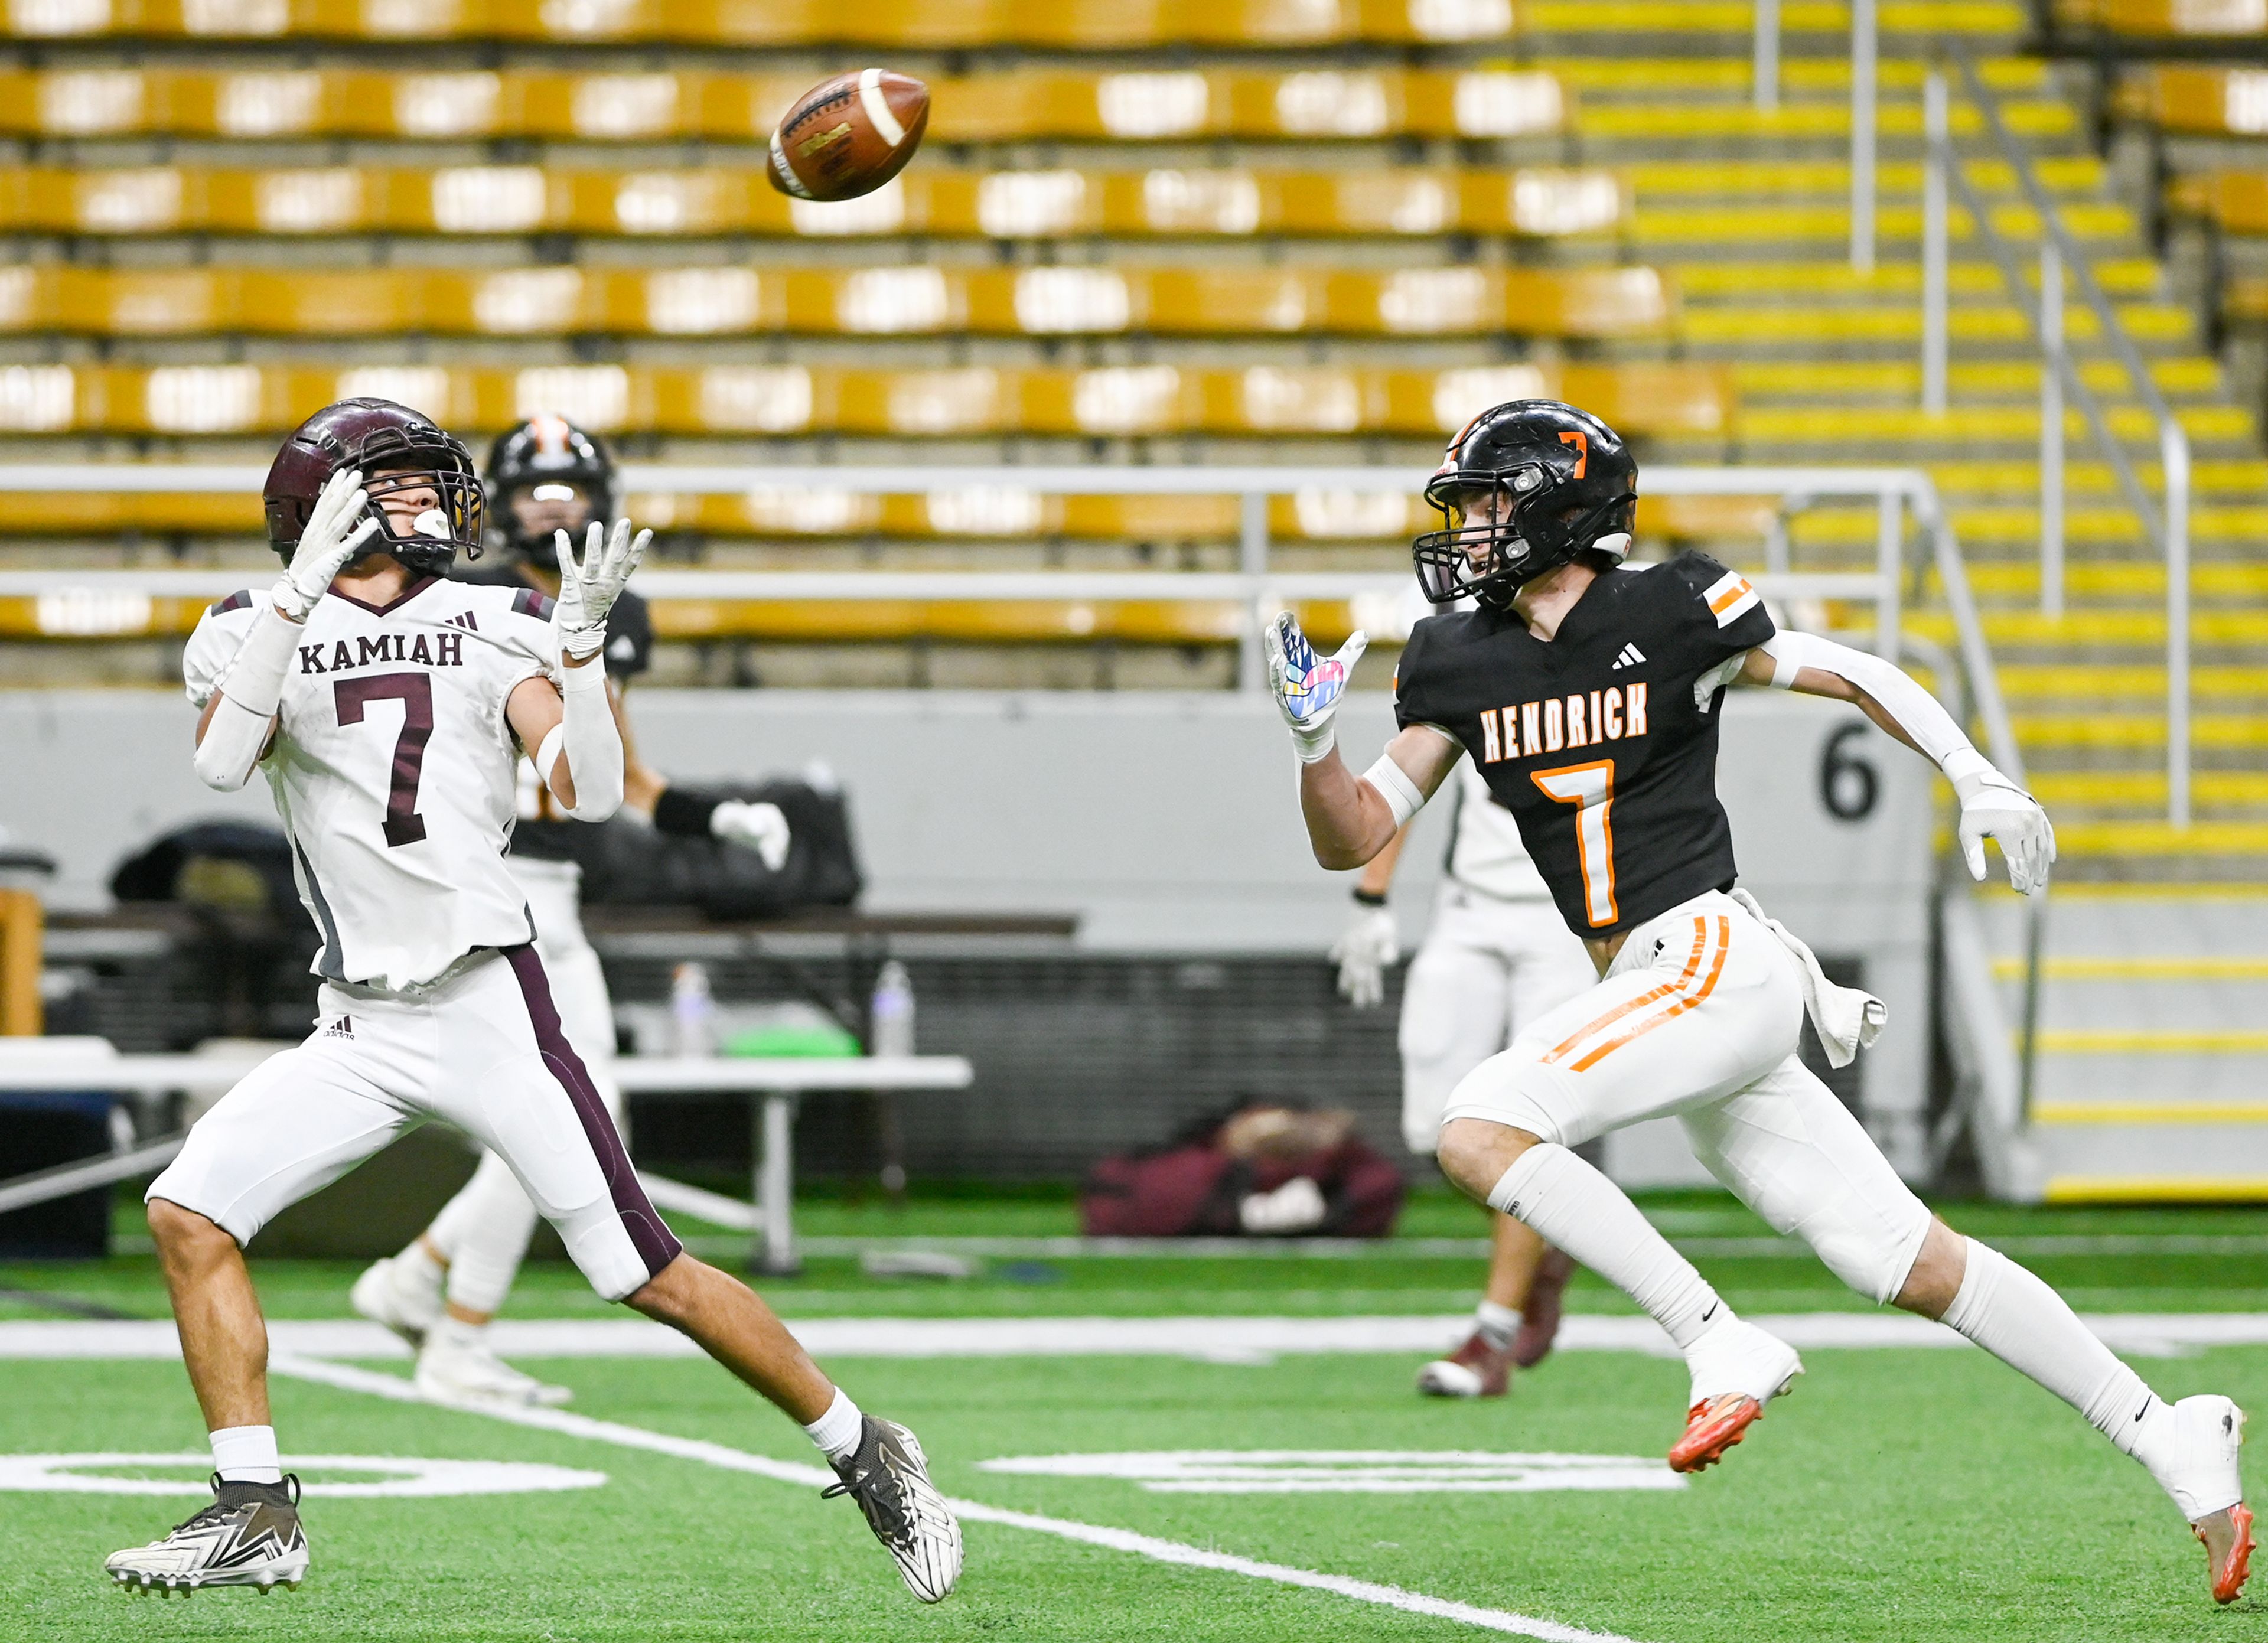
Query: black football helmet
point(547, 450)
point(396, 449)
point(1523, 489)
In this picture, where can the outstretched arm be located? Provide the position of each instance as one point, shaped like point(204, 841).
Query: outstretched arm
point(1351, 819)
point(1991, 806)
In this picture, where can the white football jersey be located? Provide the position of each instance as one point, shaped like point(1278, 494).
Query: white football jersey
point(1485, 853)
point(392, 768)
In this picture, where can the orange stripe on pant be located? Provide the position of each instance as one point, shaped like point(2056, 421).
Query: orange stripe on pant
point(1692, 966)
point(1687, 1002)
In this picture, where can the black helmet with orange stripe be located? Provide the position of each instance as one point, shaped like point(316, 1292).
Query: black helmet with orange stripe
point(1523, 489)
point(547, 474)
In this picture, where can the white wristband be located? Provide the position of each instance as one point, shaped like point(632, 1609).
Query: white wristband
point(1312, 745)
point(1394, 786)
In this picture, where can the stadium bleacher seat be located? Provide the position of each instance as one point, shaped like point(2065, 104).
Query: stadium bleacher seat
point(1533, 202)
point(932, 24)
point(1135, 105)
point(2140, 20)
point(1121, 401)
point(2189, 99)
point(893, 300)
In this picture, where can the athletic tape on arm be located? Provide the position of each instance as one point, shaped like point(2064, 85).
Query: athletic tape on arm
point(1394, 786)
point(1918, 714)
point(593, 741)
point(249, 687)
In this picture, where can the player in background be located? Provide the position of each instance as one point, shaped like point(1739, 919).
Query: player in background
point(1494, 957)
point(545, 478)
point(387, 708)
point(1588, 695)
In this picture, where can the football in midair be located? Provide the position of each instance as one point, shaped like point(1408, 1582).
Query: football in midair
point(849, 136)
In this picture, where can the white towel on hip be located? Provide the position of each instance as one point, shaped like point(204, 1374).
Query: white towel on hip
point(1846, 1019)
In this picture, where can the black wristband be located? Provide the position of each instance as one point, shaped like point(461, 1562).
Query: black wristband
point(1370, 898)
point(685, 815)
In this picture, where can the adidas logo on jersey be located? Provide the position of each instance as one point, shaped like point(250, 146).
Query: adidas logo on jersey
point(464, 620)
point(343, 1027)
point(1631, 657)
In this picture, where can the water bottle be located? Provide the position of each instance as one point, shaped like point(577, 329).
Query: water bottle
point(893, 1011)
point(692, 1010)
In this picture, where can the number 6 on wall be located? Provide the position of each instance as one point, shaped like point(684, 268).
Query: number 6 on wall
point(1591, 786)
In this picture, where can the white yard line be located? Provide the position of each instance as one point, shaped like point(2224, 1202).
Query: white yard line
point(1206, 1340)
point(345, 1377)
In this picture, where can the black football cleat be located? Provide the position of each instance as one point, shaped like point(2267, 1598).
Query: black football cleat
point(249, 1536)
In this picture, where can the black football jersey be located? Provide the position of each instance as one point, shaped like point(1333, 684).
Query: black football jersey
point(1596, 740)
point(629, 624)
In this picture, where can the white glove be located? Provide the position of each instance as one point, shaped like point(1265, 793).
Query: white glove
point(1993, 807)
point(761, 828)
point(330, 540)
point(1365, 950)
point(588, 588)
point(1296, 1206)
point(1308, 690)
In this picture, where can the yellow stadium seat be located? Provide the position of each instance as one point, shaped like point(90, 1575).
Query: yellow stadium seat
point(2206, 101)
point(2236, 202)
point(908, 299)
point(2178, 19)
point(1132, 400)
point(933, 23)
point(462, 105)
point(1541, 202)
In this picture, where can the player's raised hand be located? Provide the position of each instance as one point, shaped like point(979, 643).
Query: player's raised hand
point(337, 526)
point(1307, 689)
point(1367, 948)
point(589, 587)
point(761, 828)
point(1993, 807)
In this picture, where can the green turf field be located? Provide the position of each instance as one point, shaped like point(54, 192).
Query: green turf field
point(1900, 1493)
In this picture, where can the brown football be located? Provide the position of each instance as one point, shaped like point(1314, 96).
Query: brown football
point(849, 136)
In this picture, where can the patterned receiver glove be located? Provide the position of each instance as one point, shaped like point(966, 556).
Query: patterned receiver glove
point(1363, 951)
point(589, 588)
point(1306, 690)
point(1993, 807)
point(761, 828)
point(331, 539)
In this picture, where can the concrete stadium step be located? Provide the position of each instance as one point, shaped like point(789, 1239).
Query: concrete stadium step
point(1644, 28)
point(1716, 330)
point(1875, 427)
point(2024, 684)
point(1605, 126)
point(1802, 79)
point(1772, 382)
point(1969, 284)
point(1897, 227)
point(1660, 182)
point(2152, 1060)
point(2217, 795)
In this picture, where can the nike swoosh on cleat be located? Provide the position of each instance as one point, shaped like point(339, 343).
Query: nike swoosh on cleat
point(1710, 1314)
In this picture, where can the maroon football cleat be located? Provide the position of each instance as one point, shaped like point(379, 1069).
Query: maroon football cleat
point(1539, 1319)
point(1476, 1370)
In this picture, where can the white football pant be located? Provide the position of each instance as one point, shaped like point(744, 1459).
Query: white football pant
point(483, 1232)
point(1699, 1017)
point(482, 1049)
point(1486, 969)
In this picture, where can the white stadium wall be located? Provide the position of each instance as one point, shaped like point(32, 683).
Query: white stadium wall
point(1166, 822)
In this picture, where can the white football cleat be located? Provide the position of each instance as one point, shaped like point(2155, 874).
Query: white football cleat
point(887, 1475)
point(381, 1296)
point(2194, 1458)
point(1737, 1369)
point(249, 1536)
point(451, 1371)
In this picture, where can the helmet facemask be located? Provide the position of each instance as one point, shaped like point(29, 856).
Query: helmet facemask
point(428, 541)
point(1504, 527)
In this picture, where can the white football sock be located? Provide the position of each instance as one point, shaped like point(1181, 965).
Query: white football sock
point(1578, 1209)
point(455, 1331)
point(485, 1231)
point(247, 1454)
point(1497, 1324)
point(417, 1276)
point(836, 1432)
point(2018, 1319)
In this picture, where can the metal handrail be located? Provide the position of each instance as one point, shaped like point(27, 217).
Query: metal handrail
point(2167, 528)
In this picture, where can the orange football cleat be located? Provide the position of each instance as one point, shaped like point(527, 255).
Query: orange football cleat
point(1711, 1428)
point(2228, 1539)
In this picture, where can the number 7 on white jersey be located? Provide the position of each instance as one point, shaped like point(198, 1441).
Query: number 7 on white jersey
point(1591, 786)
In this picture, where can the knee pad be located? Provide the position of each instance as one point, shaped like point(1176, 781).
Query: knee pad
point(1523, 1093)
point(1875, 1261)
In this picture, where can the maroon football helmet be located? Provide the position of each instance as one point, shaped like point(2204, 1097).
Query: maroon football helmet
point(396, 449)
